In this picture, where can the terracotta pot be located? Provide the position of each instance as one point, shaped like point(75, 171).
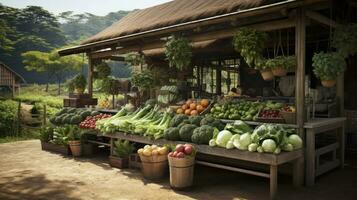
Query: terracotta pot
point(267, 75)
point(75, 147)
point(328, 83)
point(279, 71)
point(118, 162)
point(79, 90)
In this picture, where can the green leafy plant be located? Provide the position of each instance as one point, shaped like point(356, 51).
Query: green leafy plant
point(178, 51)
point(73, 132)
point(101, 70)
point(286, 62)
point(46, 133)
point(8, 115)
point(134, 59)
point(345, 39)
point(110, 86)
point(250, 44)
point(123, 148)
point(36, 109)
point(328, 66)
point(143, 80)
point(79, 81)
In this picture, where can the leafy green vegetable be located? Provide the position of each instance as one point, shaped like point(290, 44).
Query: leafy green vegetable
point(186, 132)
point(123, 149)
point(172, 133)
point(223, 137)
point(328, 66)
point(177, 119)
point(196, 120)
point(203, 134)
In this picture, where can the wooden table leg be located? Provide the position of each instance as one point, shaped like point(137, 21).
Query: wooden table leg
point(342, 145)
point(273, 181)
point(111, 146)
point(310, 158)
point(298, 172)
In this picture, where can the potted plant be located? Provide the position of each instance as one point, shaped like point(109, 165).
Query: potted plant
point(345, 39)
point(265, 71)
point(328, 66)
point(250, 44)
point(277, 66)
point(59, 141)
point(46, 134)
point(178, 51)
point(74, 140)
point(122, 150)
point(79, 83)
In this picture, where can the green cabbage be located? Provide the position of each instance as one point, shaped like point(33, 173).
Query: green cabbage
point(269, 145)
point(223, 137)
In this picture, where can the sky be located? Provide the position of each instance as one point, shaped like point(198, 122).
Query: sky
point(97, 7)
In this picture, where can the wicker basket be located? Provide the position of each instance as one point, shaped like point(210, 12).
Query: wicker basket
point(267, 75)
point(279, 71)
point(289, 117)
point(154, 167)
point(328, 83)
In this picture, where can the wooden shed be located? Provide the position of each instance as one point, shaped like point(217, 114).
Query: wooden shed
point(8, 77)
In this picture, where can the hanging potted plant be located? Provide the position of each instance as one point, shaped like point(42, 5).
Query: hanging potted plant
point(250, 44)
point(277, 66)
point(327, 67)
point(122, 150)
point(345, 39)
point(79, 82)
point(178, 51)
point(265, 70)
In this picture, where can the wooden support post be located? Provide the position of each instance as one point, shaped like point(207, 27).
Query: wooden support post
point(300, 39)
point(298, 172)
point(44, 115)
point(340, 93)
point(90, 75)
point(273, 181)
point(310, 158)
point(111, 146)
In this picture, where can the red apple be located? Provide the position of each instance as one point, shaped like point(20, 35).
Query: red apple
point(174, 154)
point(188, 149)
point(180, 148)
point(171, 154)
point(180, 155)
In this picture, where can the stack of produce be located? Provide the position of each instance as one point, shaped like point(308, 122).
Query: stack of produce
point(194, 129)
point(168, 94)
point(71, 116)
point(90, 121)
point(193, 107)
point(146, 121)
point(154, 161)
point(182, 151)
point(242, 109)
point(267, 138)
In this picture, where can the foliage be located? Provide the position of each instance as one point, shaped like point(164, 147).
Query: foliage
point(46, 133)
point(143, 80)
point(286, 62)
point(123, 148)
point(135, 59)
point(101, 70)
point(110, 86)
point(345, 39)
point(8, 115)
point(36, 109)
point(79, 81)
point(73, 132)
point(328, 66)
point(178, 51)
point(250, 44)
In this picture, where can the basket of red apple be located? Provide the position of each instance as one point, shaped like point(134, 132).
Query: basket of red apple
point(270, 116)
point(182, 163)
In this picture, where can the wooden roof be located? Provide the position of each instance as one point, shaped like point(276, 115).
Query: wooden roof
point(18, 77)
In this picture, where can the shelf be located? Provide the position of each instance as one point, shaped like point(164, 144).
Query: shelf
point(253, 123)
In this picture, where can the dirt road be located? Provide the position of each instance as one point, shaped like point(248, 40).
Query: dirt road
point(28, 173)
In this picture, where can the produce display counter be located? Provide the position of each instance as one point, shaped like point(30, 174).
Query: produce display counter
point(316, 161)
point(271, 160)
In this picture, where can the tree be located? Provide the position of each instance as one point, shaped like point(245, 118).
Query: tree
point(51, 64)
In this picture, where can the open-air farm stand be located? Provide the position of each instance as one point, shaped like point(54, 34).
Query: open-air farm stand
point(248, 67)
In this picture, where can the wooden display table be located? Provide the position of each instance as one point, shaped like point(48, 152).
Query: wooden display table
point(271, 160)
point(315, 166)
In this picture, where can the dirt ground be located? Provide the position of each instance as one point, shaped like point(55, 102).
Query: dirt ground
point(27, 173)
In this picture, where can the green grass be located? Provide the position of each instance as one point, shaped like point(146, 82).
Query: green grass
point(27, 134)
point(37, 94)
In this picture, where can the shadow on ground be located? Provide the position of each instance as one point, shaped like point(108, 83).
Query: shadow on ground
point(29, 185)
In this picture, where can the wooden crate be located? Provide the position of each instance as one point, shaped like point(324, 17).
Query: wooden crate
point(79, 103)
point(62, 149)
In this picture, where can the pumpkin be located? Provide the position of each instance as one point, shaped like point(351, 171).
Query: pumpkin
point(179, 111)
point(204, 103)
point(193, 106)
point(194, 112)
point(187, 112)
point(200, 108)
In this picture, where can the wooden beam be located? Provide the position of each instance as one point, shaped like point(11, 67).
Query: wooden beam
point(300, 42)
point(321, 18)
point(90, 75)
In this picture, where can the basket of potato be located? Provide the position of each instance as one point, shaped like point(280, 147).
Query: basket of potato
point(154, 161)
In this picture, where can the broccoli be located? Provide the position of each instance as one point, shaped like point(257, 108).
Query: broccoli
point(203, 134)
point(184, 122)
point(207, 120)
point(178, 119)
point(195, 120)
point(186, 132)
point(217, 124)
point(172, 133)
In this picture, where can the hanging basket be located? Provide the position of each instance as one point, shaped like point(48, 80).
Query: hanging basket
point(252, 71)
point(328, 83)
point(79, 90)
point(267, 75)
point(279, 71)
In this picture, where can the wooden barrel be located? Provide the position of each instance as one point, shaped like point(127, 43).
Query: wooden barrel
point(154, 167)
point(181, 172)
point(75, 147)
